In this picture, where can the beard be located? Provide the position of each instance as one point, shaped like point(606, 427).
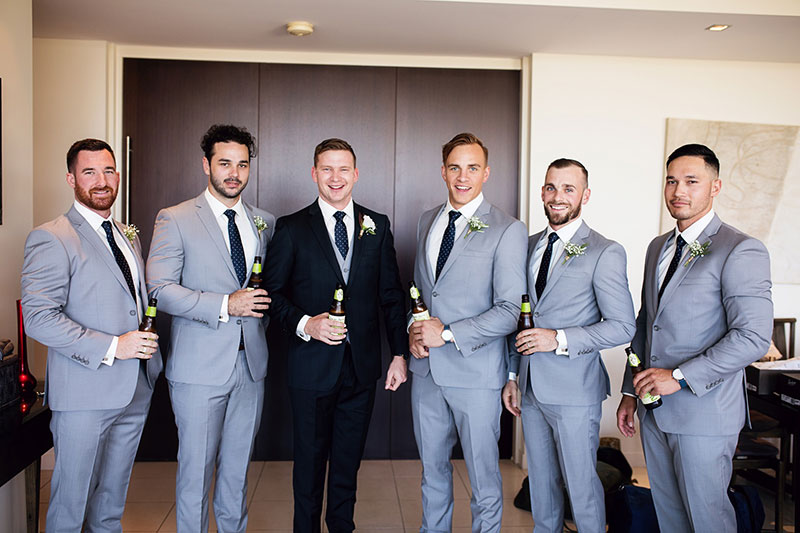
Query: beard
point(98, 204)
point(219, 186)
point(559, 219)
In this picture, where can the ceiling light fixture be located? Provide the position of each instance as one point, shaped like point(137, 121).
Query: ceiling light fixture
point(718, 27)
point(300, 28)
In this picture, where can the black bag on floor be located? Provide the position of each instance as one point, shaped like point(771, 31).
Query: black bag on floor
point(749, 508)
point(630, 510)
point(523, 498)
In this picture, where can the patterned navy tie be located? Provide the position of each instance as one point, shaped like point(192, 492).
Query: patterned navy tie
point(544, 267)
point(447, 242)
point(340, 234)
point(673, 265)
point(237, 250)
point(120, 258)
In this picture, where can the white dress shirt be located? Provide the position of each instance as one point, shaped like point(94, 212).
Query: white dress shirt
point(96, 222)
point(330, 224)
point(249, 238)
point(690, 234)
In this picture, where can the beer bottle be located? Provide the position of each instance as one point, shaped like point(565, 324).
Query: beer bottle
point(419, 311)
point(255, 276)
point(525, 317)
point(336, 312)
point(149, 321)
point(650, 401)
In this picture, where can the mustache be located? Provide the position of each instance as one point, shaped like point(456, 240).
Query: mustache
point(101, 189)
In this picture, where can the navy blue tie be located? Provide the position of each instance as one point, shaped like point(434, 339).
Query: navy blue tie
point(340, 234)
point(544, 267)
point(237, 250)
point(673, 265)
point(447, 242)
point(120, 258)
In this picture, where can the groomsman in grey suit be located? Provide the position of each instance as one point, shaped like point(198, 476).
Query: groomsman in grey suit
point(581, 304)
point(83, 291)
point(706, 313)
point(199, 264)
point(470, 269)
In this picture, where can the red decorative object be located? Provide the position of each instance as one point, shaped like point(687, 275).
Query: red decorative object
point(27, 382)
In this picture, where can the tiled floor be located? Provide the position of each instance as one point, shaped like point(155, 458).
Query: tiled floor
point(388, 498)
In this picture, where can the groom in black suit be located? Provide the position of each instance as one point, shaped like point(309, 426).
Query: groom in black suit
point(333, 367)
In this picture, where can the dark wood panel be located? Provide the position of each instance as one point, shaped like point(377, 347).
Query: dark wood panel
point(433, 105)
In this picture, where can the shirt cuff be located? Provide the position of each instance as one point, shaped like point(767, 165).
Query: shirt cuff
point(112, 349)
point(223, 310)
point(561, 339)
point(512, 376)
point(629, 394)
point(301, 328)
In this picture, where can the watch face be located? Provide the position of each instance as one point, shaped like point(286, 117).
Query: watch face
point(447, 335)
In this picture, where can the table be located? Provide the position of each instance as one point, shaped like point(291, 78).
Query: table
point(22, 446)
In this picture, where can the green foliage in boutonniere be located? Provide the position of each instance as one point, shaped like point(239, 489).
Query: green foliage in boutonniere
point(367, 226)
point(130, 231)
point(260, 223)
point(475, 224)
point(571, 250)
point(697, 250)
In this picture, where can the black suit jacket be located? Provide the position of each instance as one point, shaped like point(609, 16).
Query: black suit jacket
point(301, 273)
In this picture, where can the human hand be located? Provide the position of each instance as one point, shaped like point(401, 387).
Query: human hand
point(536, 340)
point(136, 345)
point(656, 381)
point(247, 302)
point(325, 330)
point(396, 374)
point(511, 397)
point(627, 406)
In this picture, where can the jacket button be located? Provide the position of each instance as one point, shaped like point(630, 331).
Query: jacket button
point(657, 328)
point(654, 358)
point(536, 313)
point(239, 322)
point(133, 312)
point(435, 294)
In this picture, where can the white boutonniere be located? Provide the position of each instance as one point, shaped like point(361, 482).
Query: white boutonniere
point(475, 224)
point(130, 231)
point(697, 250)
point(260, 223)
point(571, 250)
point(367, 226)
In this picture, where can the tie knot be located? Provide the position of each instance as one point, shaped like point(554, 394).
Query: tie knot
point(680, 242)
point(454, 215)
point(339, 215)
point(107, 226)
point(230, 213)
point(552, 238)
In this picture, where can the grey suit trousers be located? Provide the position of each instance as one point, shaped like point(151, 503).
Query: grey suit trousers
point(440, 415)
point(95, 450)
point(210, 436)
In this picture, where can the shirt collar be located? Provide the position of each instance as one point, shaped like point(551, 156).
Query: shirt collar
point(565, 233)
point(218, 208)
point(692, 233)
point(94, 220)
point(328, 210)
point(468, 209)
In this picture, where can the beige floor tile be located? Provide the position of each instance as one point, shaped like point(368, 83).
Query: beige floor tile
point(376, 489)
point(408, 468)
point(46, 476)
point(640, 475)
point(160, 469)
point(379, 469)
point(515, 517)
point(378, 514)
point(273, 487)
point(272, 468)
point(141, 516)
point(42, 516)
point(151, 489)
point(269, 515)
point(408, 488)
point(381, 530)
point(44, 493)
point(170, 525)
point(412, 513)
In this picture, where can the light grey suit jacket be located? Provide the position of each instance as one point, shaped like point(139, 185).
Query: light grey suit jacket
point(75, 300)
point(588, 297)
point(189, 270)
point(715, 318)
point(477, 295)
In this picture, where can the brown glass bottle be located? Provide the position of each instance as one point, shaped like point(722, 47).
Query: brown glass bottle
point(525, 317)
point(149, 320)
point(650, 401)
point(419, 311)
point(336, 312)
point(255, 276)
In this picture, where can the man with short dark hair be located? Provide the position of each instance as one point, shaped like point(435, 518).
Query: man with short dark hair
point(578, 287)
point(470, 270)
point(706, 313)
point(83, 296)
point(200, 261)
point(333, 367)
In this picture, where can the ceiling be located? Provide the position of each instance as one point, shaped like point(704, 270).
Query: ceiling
point(486, 28)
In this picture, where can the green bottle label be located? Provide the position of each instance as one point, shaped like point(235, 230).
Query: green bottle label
point(526, 307)
point(633, 359)
point(151, 312)
point(256, 268)
point(338, 295)
point(648, 398)
point(414, 293)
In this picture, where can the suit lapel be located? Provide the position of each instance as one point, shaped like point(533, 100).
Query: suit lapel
point(651, 274)
point(137, 256)
point(463, 239)
point(85, 229)
point(320, 231)
point(579, 238)
point(260, 236)
point(425, 244)
point(355, 260)
point(531, 274)
point(206, 216)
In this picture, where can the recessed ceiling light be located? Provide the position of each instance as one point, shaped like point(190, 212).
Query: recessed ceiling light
point(300, 28)
point(718, 27)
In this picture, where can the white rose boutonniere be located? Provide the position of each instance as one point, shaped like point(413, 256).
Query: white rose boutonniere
point(697, 250)
point(475, 224)
point(367, 226)
point(130, 231)
point(571, 250)
point(260, 223)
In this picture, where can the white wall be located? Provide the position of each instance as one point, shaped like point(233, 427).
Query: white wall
point(610, 113)
point(17, 123)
